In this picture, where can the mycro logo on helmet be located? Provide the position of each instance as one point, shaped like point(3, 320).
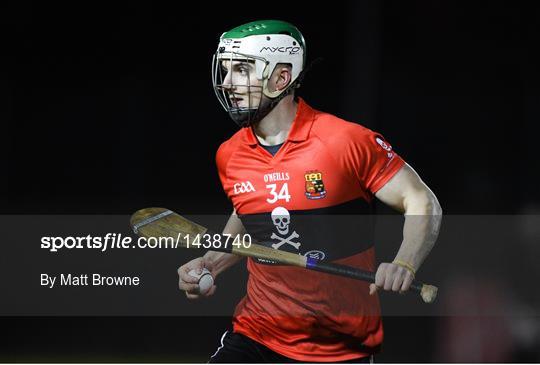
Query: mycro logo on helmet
point(243, 187)
point(291, 50)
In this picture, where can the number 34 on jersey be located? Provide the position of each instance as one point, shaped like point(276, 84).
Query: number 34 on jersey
point(277, 186)
point(282, 195)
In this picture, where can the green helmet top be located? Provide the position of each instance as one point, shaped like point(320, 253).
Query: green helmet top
point(263, 27)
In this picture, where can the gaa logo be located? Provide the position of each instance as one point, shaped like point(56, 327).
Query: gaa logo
point(243, 187)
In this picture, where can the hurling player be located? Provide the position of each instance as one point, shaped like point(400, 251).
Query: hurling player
point(289, 172)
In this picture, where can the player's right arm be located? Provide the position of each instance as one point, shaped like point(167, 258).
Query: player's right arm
point(216, 262)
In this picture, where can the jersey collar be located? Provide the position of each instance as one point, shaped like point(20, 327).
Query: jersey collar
point(301, 125)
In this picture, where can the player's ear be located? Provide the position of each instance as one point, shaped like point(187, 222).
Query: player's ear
point(282, 76)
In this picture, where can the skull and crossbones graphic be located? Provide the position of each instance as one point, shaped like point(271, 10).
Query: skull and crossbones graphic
point(282, 219)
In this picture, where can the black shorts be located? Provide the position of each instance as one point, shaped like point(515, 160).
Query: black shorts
point(237, 348)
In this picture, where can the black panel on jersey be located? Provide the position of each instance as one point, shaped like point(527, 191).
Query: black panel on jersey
point(328, 234)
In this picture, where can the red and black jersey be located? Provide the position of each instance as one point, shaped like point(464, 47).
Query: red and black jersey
point(296, 201)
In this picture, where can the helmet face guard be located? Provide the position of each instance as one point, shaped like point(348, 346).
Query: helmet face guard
point(227, 91)
point(262, 46)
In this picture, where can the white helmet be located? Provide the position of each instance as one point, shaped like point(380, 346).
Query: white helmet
point(265, 43)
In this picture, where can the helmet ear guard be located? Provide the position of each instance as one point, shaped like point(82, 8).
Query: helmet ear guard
point(266, 78)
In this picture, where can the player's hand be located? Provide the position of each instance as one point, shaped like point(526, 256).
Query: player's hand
point(188, 283)
point(391, 277)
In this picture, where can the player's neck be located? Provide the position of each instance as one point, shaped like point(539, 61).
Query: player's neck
point(274, 128)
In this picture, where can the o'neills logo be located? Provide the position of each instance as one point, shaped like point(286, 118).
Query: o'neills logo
point(314, 185)
point(243, 187)
point(276, 176)
point(290, 50)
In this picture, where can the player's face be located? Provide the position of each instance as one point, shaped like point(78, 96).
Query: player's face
point(241, 83)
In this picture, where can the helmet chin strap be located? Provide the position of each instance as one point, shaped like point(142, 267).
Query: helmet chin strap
point(267, 104)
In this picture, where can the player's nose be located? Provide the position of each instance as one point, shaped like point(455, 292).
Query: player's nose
point(227, 82)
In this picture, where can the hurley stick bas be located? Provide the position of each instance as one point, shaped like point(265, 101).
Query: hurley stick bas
point(161, 222)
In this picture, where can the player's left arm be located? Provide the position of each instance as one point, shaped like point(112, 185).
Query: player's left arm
point(407, 193)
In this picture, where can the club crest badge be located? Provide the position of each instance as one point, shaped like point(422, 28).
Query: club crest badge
point(314, 185)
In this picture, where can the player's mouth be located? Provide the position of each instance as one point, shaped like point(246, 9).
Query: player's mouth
point(235, 100)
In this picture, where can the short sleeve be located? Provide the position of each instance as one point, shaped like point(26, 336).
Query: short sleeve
point(223, 155)
point(372, 159)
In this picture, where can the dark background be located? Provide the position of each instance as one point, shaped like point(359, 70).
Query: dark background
point(107, 108)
